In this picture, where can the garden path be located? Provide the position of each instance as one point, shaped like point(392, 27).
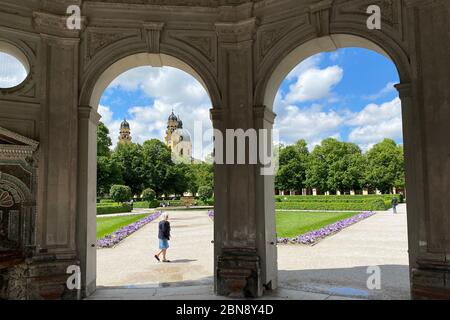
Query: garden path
point(132, 261)
point(336, 266)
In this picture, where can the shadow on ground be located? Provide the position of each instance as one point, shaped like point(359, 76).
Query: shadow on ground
point(351, 282)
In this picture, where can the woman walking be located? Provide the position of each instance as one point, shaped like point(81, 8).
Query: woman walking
point(164, 237)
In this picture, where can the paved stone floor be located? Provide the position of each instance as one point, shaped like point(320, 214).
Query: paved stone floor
point(335, 268)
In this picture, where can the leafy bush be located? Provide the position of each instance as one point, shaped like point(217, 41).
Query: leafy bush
point(120, 193)
point(148, 195)
point(113, 208)
point(205, 193)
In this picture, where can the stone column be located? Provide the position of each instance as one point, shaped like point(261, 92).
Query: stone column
point(426, 108)
point(241, 251)
point(88, 120)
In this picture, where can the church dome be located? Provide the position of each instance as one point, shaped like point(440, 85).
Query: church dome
point(124, 125)
point(180, 123)
point(173, 117)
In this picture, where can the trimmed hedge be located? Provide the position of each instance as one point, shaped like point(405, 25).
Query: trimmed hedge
point(110, 208)
point(334, 198)
point(107, 201)
point(375, 205)
point(145, 204)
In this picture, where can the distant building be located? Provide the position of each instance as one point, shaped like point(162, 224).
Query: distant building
point(125, 132)
point(178, 139)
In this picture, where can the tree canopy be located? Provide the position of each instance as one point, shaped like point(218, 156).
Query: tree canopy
point(340, 166)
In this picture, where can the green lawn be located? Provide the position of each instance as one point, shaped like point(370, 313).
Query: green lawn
point(293, 223)
point(107, 225)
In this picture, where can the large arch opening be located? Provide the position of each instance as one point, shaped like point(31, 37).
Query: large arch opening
point(316, 257)
point(155, 117)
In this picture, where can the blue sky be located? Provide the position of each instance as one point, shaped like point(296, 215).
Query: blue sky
point(347, 94)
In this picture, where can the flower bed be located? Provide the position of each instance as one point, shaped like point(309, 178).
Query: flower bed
point(113, 239)
point(316, 235)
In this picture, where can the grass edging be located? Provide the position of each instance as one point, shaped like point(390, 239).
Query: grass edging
point(119, 235)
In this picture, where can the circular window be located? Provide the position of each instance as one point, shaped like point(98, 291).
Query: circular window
point(14, 67)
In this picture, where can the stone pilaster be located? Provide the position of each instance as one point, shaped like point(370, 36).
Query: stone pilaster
point(57, 172)
point(88, 120)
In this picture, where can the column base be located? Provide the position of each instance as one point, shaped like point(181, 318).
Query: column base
point(430, 283)
point(239, 273)
point(27, 279)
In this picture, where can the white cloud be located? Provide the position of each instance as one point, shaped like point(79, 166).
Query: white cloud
point(376, 122)
point(312, 124)
point(12, 72)
point(389, 88)
point(314, 84)
point(169, 88)
point(309, 63)
point(167, 84)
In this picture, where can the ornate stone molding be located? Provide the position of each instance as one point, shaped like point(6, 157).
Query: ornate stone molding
point(203, 41)
point(233, 32)
point(320, 14)
point(196, 3)
point(55, 25)
point(99, 39)
point(152, 33)
point(20, 147)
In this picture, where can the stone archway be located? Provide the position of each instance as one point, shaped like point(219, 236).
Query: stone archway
point(283, 65)
point(87, 149)
point(235, 47)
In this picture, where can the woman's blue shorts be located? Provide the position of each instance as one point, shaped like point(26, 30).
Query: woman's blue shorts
point(163, 243)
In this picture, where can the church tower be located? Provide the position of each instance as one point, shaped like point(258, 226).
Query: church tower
point(178, 139)
point(125, 133)
point(172, 125)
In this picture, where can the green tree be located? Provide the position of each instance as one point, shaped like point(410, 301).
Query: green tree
point(385, 166)
point(130, 159)
point(103, 141)
point(293, 163)
point(199, 174)
point(108, 173)
point(159, 169)
point(120, 193)
point(335, 165)
point(205, 193)
point(176, 181)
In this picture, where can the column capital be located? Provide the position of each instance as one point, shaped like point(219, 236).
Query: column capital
point(89, 113)
point(262, 112)
point(404, 90)
point(216, 114)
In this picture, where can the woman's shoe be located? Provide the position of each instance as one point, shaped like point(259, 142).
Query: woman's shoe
point(166, 260)
point(156, 257)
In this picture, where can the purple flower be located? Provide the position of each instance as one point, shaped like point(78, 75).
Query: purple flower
point(315, 235)
point(114, 238)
